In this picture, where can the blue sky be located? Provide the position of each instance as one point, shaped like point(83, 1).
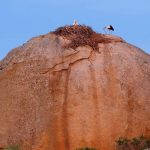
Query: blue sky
point(21, 20)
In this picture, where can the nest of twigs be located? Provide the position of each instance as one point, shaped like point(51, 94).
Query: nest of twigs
point(81, 35)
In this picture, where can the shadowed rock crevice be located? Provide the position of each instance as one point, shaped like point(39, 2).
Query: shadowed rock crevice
point(65, 121)
point(70, 60)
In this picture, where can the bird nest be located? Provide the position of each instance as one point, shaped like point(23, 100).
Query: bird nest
point(81, 35)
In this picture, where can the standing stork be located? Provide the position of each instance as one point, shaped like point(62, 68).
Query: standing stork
point(109, 28)
point(75, 23)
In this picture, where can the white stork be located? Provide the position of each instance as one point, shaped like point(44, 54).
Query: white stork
point(109, 28)
point(75, 23)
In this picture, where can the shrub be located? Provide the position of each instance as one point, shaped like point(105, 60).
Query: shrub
point(12, 147)
point(136, 143)
point(147, 143)
point(86, 148)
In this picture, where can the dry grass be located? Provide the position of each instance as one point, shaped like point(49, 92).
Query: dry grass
point(81, 35)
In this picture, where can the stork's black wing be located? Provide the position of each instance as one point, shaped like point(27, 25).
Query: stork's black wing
point(111, 28)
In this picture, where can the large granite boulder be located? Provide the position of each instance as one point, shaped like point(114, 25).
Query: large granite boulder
point(58, 98)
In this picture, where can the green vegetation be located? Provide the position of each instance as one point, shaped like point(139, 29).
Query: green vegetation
point(122, 141)
point(136, 143)
point(86, 148)
point(12, 147)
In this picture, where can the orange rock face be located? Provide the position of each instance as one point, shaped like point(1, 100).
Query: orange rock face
point(53, 98)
